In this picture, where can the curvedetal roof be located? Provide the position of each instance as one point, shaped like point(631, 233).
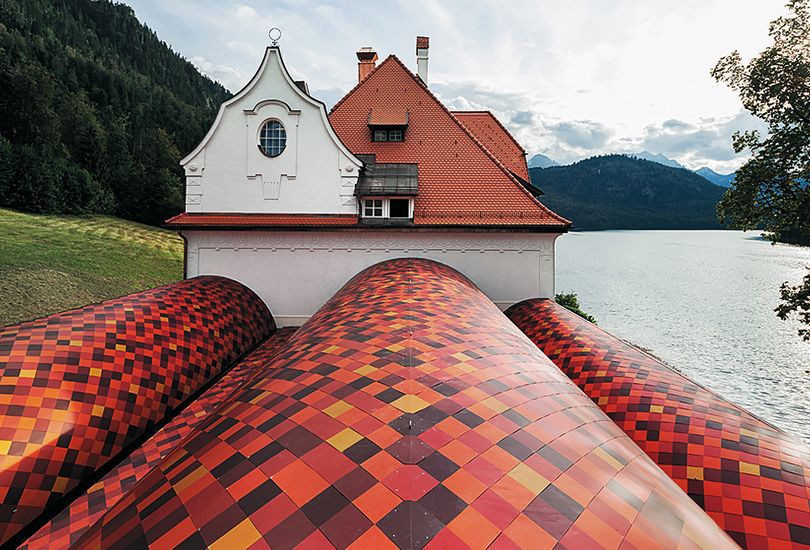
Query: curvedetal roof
point(497, 139)
point(461, 182)
point(408, 412)
point(750, 477)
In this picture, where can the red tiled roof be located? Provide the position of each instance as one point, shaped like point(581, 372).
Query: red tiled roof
point(388, 117)
point(461, 182)
point(258, 220)
point(497, 139)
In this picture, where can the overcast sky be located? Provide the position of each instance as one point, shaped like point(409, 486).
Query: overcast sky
point(570, 79)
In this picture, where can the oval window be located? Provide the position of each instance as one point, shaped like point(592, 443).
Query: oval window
point(272, 138)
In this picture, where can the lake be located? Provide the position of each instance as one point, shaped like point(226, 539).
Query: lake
point(703, 302)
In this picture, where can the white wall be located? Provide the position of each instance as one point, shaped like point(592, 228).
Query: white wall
point(315, 174)
point(295, 272)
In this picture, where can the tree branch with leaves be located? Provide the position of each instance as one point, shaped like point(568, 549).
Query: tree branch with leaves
point(771, 190)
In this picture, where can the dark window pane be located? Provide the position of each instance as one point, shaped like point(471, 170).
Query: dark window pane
point(399, 208)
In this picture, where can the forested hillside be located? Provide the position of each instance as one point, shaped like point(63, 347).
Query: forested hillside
point(621, 192)
point(95, 111)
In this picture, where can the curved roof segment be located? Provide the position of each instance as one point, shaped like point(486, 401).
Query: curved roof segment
point(750, 477)
point(408, 412)
point(77, 388)
point(69, 524)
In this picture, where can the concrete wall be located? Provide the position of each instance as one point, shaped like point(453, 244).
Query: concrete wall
point(315, 174)
point(295, 272)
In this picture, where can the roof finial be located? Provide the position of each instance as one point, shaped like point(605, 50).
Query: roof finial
point(275, 35)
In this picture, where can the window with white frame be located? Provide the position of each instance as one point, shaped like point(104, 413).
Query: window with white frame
point(373, 208)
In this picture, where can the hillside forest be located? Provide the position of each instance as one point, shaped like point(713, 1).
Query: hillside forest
point(95, 111)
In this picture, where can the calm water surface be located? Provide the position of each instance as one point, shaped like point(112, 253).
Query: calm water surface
point(702, 301)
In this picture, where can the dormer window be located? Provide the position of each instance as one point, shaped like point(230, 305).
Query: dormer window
point(387, 134)
point(272, 138)
point(388, 124)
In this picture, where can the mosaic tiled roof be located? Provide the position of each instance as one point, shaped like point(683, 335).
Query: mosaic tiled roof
point(407, 412)
point(753, 479)
point(79, 387)
point(66, 528)
point(461, 182)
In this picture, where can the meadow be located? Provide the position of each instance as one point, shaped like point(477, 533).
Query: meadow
point(53, 263)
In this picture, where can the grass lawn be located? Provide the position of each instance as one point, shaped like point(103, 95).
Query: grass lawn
point(53, 263)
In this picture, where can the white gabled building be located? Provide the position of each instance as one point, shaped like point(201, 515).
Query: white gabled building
point(293, 202)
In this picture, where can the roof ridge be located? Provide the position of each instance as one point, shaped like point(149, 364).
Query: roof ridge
point(490, 113)
point(359, 82)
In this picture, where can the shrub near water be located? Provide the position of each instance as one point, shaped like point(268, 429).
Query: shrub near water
point(570, 302)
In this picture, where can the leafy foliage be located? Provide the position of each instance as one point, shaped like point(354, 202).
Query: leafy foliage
point(621, 192)
point(796, 299)
point(570, 302)
point(94, 111)
point(771, 190)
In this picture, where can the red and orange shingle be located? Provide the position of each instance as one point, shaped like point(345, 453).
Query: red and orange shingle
point(438, 348)
point(750, 477)
point(68, 525)
point(77, 388)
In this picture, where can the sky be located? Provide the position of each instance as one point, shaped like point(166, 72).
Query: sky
point(570, 79)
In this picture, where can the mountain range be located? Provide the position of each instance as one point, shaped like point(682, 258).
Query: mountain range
point(723, 180)
point(623, 192)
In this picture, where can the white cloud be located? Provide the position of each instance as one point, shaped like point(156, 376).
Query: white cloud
point(570, 79)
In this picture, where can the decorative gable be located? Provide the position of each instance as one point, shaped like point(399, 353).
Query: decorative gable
point(271, 150)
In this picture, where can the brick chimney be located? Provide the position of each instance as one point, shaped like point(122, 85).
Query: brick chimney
point(422, 46)
point(367, 60)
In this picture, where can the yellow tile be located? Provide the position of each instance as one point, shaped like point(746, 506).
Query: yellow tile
point(28, 373)
point(121, 347)
point(748, 468)
point(95, 371)
point(601, 453)
point(60, 484)
point(656, 408)
point(336, 409)
point(362, 371)
point(344, 439)
point(530, 479)
point(495, 405)
point(4, 447)
point(241, 536)
point(98, 410)
point(410, 403)
point(694, 472)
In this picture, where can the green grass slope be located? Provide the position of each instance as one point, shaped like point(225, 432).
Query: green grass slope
point(52, 263)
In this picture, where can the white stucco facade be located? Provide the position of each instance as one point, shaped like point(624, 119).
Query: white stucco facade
point(295, 272)
point(314, 174)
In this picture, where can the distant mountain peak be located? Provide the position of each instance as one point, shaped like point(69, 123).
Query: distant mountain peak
point(659, 158)
point(542, 161)
point(723, 180)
